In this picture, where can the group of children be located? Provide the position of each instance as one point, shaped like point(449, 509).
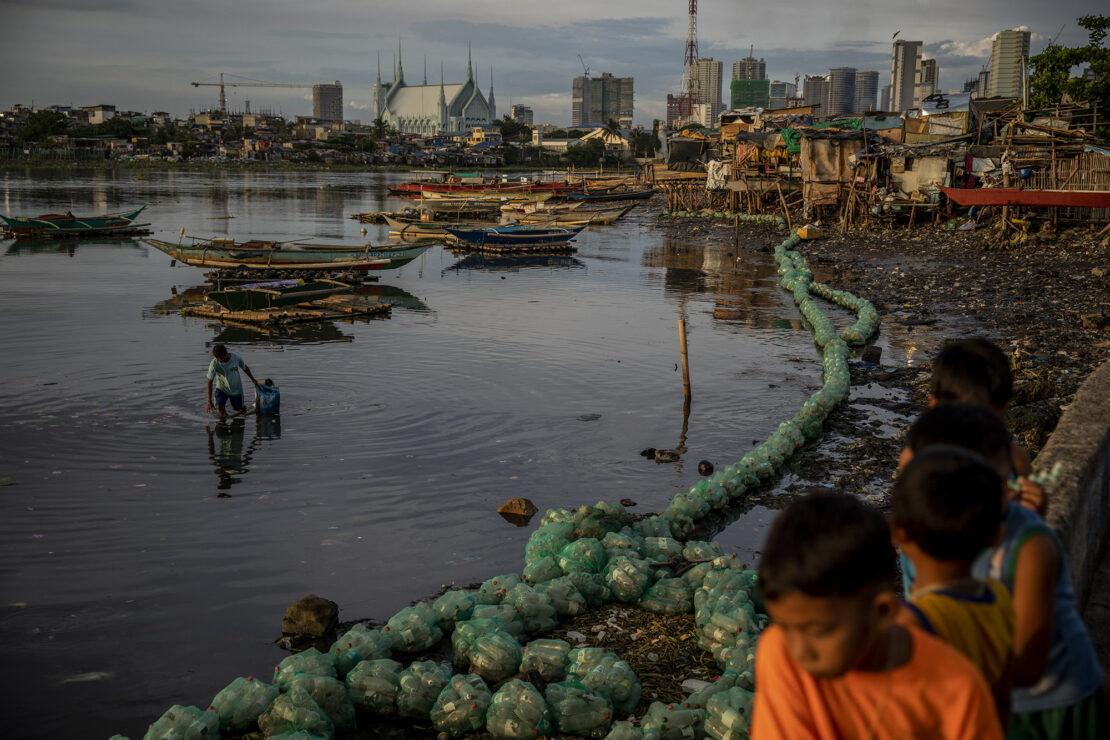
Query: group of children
point(984, 642)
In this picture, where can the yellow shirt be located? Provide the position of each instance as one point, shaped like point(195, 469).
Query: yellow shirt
point(980, 624)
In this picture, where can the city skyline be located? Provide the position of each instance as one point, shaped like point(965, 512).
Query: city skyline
point(121, 52)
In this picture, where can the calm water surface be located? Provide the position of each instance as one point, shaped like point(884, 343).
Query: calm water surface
point(147, 557)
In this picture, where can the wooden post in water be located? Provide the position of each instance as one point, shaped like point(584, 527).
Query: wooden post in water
point(685, 358)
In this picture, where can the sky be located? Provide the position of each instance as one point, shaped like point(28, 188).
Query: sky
point(142, 54)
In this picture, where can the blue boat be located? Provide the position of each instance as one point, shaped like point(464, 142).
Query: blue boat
point(513, 236)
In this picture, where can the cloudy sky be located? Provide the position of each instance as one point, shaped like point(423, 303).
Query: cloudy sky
point(142, 54)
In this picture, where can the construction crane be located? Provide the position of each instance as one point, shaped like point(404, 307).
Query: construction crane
point(248, 83)
point(584, 67)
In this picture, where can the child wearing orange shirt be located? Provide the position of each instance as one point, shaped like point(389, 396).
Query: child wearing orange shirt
point(833, 663)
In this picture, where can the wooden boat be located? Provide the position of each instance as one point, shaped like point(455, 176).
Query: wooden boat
point(275, 293)
point(1018, 197)
point(544, 207)
point(573, 218)
point(501, 186)
point(58, 224)
point(265, 255)
point(416, 229)
point(615, 194)
point(508, 236)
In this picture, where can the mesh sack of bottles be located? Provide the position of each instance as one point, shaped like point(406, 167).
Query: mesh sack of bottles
point(179, 721)
point(296, 711)
point(419, 686)
point(546, 657)
point(357, 644)
point(518, 710)
point(373, 685)
point(461, 706)
point(576, 710)
point(240, 703)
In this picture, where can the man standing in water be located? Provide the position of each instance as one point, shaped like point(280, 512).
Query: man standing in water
point(224, 369)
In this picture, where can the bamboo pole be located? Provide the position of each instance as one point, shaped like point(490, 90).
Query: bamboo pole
point(685, 358)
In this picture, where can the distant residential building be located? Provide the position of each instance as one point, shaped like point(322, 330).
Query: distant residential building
point(482, 134)
point(327, 102)
point(842, 91)
point(100, 113)
point(705, 83)
point(779, 93)
point(749, 94)
point(1008, 50)
point(749, 68)
point(594, 100)
point(905, 63)
point(815, 91)
point(984, 84)
point(522, 114)
point(926, 83)
point(674, 109)
point(867, 89)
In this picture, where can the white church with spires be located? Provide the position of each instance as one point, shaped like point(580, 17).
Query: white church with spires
point(428, 110)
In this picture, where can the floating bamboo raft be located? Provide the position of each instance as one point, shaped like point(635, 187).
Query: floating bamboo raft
point(325, 309)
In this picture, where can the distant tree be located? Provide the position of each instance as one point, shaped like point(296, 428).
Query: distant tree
point(119, 127)
point(587, 153)
point(1052, 69)
point(643, 143)
point(43, 124)
point(512, 130)
point(576, 133)
point(557, 134)
point(367, 144)
point(612, 128)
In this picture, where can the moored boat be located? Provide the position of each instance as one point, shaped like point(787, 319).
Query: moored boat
point(224, 253)
point(508, 236)
point(275, 293)
point(54, 225)
point(1023, 197)
point(572, 218)
point(614, 194)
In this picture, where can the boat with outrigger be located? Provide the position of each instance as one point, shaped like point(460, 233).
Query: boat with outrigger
point(513, 236)
point(58, 225)
point(222, 252)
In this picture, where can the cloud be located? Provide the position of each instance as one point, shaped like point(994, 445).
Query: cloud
point(357, 106)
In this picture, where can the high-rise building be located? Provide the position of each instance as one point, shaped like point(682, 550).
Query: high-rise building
point(674, 109)
point(884, 99)
point(1008, 50)
point(749, 94)
point(594, 100)
point(867, 86)
point(841, 96)
point(327, 102)
point(926, 83)
point(815, 91)
point(705, 83)
point(522, 114)
point(984, 84)
point(780, 94)
point(749, 68)
point(905, 61)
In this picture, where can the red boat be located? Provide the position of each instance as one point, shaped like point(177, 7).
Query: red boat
point(508, 187)
point(1040, 198)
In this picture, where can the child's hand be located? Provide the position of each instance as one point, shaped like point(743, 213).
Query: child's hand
point(208, 407)
point(1029, 494)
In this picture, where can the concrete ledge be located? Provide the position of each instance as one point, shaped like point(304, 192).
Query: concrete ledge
point(1079, 504)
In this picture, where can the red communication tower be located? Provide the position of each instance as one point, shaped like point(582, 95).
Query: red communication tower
point(688, 97)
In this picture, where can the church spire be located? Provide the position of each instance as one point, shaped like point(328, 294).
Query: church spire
point(469, 74)
point(492, 104)
point(425, 69)
point(400, 70)
point(442, 101)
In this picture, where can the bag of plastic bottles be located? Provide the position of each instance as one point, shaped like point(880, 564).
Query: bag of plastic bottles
point(518, 711)
point(494, 656)
point(311, 662)
point(331, 696)
point(700, 698)
point(462, 640)
point(730, 715)
point(453, 606)
point(541, 570)
point(296, 711)
point(582, 660)
point(578, 711)
point(668, 596)
point(494, 590)
point(627, 578)
point(593, 522)
point(695, 550)
point(564, 596)
point(185, 722)
point(625, 731)
point(673, 720)
point(592, 587)
point(413, 629)
point(586, 555)
point(626, 542)
point(507, 614)
point(359, 643)
point(548, 658)
point(373, 685)
point(535, 609)
point(545, 545)
point(461, 707)
point(298, 735)
point(695, 577)
point(653, 526)
point(616, 681)
point(240, 703)
point(420, 685)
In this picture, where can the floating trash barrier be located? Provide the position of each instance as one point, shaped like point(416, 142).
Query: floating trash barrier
point(576, 559)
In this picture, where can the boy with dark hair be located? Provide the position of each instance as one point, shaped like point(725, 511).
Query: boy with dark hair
point(834, 663)
point(1058, 683)
point(946, 509)
point(224, 370)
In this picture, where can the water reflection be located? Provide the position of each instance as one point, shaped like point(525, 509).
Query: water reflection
point(227, 452)
point(512, 263)
point(67, 247)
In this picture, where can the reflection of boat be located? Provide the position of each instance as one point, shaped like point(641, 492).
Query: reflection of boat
point(573, 218)
point(1018, 197)
point(614, 194)
point(510, 236)
point(313, 333)
point(486, 263)
point(299, 256)
point(52, 225)
point(67, 247)
point(274, 293)
point(391, 295)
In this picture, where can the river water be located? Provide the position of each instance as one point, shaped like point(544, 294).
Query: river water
point(147, 555)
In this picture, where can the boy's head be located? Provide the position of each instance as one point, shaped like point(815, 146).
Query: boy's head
point(968, 425)
point(972, 370)
point(220, 352)
point(947, 504)
point(826, 574)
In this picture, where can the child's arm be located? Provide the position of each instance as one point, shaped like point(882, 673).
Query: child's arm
point(1030, 494)
point(1001, 690)
point(1038, 565)
point(1023, 466)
